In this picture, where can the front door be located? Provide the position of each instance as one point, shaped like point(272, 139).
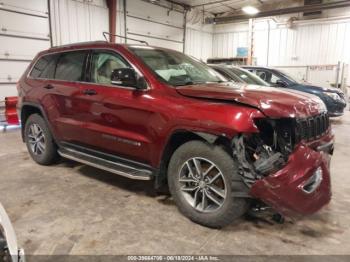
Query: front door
point(116, 117)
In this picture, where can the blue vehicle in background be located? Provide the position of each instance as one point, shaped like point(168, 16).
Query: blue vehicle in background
point(333, 98)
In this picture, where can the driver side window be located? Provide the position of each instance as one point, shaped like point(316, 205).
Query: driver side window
point(267, 76)
point(103, 65)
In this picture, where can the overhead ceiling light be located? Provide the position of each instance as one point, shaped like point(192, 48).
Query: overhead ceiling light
point(250, 10)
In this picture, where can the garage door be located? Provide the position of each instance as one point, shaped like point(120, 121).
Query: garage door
point(24, 32)
point(157, 25)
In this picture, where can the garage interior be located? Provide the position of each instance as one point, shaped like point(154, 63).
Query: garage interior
point(74, 209)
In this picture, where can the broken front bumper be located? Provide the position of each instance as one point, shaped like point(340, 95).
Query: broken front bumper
point(303, 186)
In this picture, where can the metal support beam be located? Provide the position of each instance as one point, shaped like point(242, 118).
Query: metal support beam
point(184, 29)
point(50, 21)
point(125, 25)
point(289, 10)
point(211, 3)
point(250, 42)
point(112, 14)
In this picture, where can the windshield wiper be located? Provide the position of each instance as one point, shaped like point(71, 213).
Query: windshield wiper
point(200, 83)
point(185, 84)
point(220, 81)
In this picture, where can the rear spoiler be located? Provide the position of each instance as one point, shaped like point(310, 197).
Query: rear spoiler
point(8, 111)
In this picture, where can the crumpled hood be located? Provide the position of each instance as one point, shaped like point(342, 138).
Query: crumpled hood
point(271, 101)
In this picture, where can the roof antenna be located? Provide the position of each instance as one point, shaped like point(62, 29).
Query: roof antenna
point(133, 39)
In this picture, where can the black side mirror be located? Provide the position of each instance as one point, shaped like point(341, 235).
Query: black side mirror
point(127, 77)
point(281, 83)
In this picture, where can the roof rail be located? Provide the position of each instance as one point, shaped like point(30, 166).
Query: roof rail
point(79, 44)
point(124, 37)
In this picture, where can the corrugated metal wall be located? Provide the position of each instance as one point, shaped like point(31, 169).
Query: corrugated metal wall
point(24, 32)
point(24, 35)
point(306, 43)
point(199, 42)
point(314, 42)
point(159, 25)
point(78, 21)
point(227, 38)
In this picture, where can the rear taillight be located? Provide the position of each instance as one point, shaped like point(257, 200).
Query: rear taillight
point(10, 110)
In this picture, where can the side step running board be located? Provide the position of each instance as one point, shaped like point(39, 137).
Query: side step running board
point(107, 165)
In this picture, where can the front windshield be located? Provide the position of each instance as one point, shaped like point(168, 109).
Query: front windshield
point(176, 68)
point(248, 77)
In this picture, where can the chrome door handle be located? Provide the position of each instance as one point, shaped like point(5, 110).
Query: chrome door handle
point(48, 86)
point(90, 92)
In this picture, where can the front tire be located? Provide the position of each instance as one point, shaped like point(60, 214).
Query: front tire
point(202, 179)
point(39, 141)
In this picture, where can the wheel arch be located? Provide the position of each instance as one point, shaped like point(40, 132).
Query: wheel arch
point(29, 109)
point(180, 137)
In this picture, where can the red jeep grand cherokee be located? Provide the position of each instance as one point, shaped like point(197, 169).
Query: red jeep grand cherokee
point(151, 113)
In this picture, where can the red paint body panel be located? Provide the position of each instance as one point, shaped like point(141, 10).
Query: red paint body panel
point(282, 190)
point(272, 102)
point(150, 117)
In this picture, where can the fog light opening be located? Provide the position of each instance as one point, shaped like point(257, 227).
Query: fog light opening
point(313, 182)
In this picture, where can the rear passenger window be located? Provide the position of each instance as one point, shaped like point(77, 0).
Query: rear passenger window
point(70, 66)
point(45, 67)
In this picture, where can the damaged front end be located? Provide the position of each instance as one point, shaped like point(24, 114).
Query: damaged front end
point(286, 164)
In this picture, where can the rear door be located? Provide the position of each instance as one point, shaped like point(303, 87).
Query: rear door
point(63, 101)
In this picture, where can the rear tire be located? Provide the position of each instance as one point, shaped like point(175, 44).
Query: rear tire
point(206, 197)
point(39, 141)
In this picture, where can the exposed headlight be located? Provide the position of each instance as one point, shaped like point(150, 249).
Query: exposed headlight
point(334, 96)
point(321, 105)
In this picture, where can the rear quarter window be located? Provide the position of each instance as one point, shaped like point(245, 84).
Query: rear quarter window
point(44, 67)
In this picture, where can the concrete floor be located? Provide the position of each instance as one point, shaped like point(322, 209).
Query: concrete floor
point(75, 209)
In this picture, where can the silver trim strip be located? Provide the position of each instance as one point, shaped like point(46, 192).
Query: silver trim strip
point(104, 167)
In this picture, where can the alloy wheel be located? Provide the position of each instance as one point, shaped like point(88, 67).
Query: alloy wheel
point(202, 184)
point(36, 139)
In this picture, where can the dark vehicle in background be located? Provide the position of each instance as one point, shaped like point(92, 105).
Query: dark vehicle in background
point(239, 75)
point(333, 98)
point(147, 113)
